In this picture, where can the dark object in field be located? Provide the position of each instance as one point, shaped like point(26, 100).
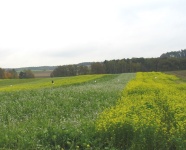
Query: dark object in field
point(52, 82)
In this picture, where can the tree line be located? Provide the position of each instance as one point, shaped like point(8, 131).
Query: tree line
point(8, 74)
point(122, 66)
point(12, 74)
point(169, 61)
point(70, 70)
point(174, 54)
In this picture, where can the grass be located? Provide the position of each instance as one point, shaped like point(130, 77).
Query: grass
point(58, 117)
point(181, 74)
point(28, 84)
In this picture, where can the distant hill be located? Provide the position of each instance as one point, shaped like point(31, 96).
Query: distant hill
point(46, 68)
point(85, 64)
point(174, 54)
point(40, 68)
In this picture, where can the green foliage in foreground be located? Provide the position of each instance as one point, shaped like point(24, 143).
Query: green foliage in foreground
point(151, 114)
point(58, 117)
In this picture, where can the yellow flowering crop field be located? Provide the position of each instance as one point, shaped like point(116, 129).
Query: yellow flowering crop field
point(140, 111)
point(151, 114)
point(9, 85)
point(36, 114)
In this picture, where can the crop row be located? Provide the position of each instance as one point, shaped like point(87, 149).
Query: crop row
point(57, 118)
point(151, 114)
point(30, 84)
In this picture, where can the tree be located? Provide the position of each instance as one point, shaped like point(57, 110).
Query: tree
point(2, 73)
point(72, 70)
point(83, 70)
point(14, 73)
point(69, 70)
point(97, 68)
point(11, 74)
point(29, 74)
point(110, 66)
point(63, 71)
point(26, 74)
point(174, 54)
point(22, 75)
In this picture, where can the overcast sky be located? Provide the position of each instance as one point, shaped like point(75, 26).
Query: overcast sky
point(60, 32)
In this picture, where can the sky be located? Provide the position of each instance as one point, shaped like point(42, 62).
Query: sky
point(62, 32)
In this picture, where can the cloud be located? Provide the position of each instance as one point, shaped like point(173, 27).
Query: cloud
point(45, 32)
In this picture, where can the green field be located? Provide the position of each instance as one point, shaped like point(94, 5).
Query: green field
point(28, 84)
point(36, 114)
point(114, 112)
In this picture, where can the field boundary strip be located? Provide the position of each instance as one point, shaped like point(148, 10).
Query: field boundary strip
point(30, 84)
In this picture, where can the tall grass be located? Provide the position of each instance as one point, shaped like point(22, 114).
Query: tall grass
point(59, 117)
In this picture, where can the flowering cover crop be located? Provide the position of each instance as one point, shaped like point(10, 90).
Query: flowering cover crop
point(151, 114)
point(56, 118)
point(28, 84)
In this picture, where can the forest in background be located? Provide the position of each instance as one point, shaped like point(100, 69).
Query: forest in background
point(170, 61)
